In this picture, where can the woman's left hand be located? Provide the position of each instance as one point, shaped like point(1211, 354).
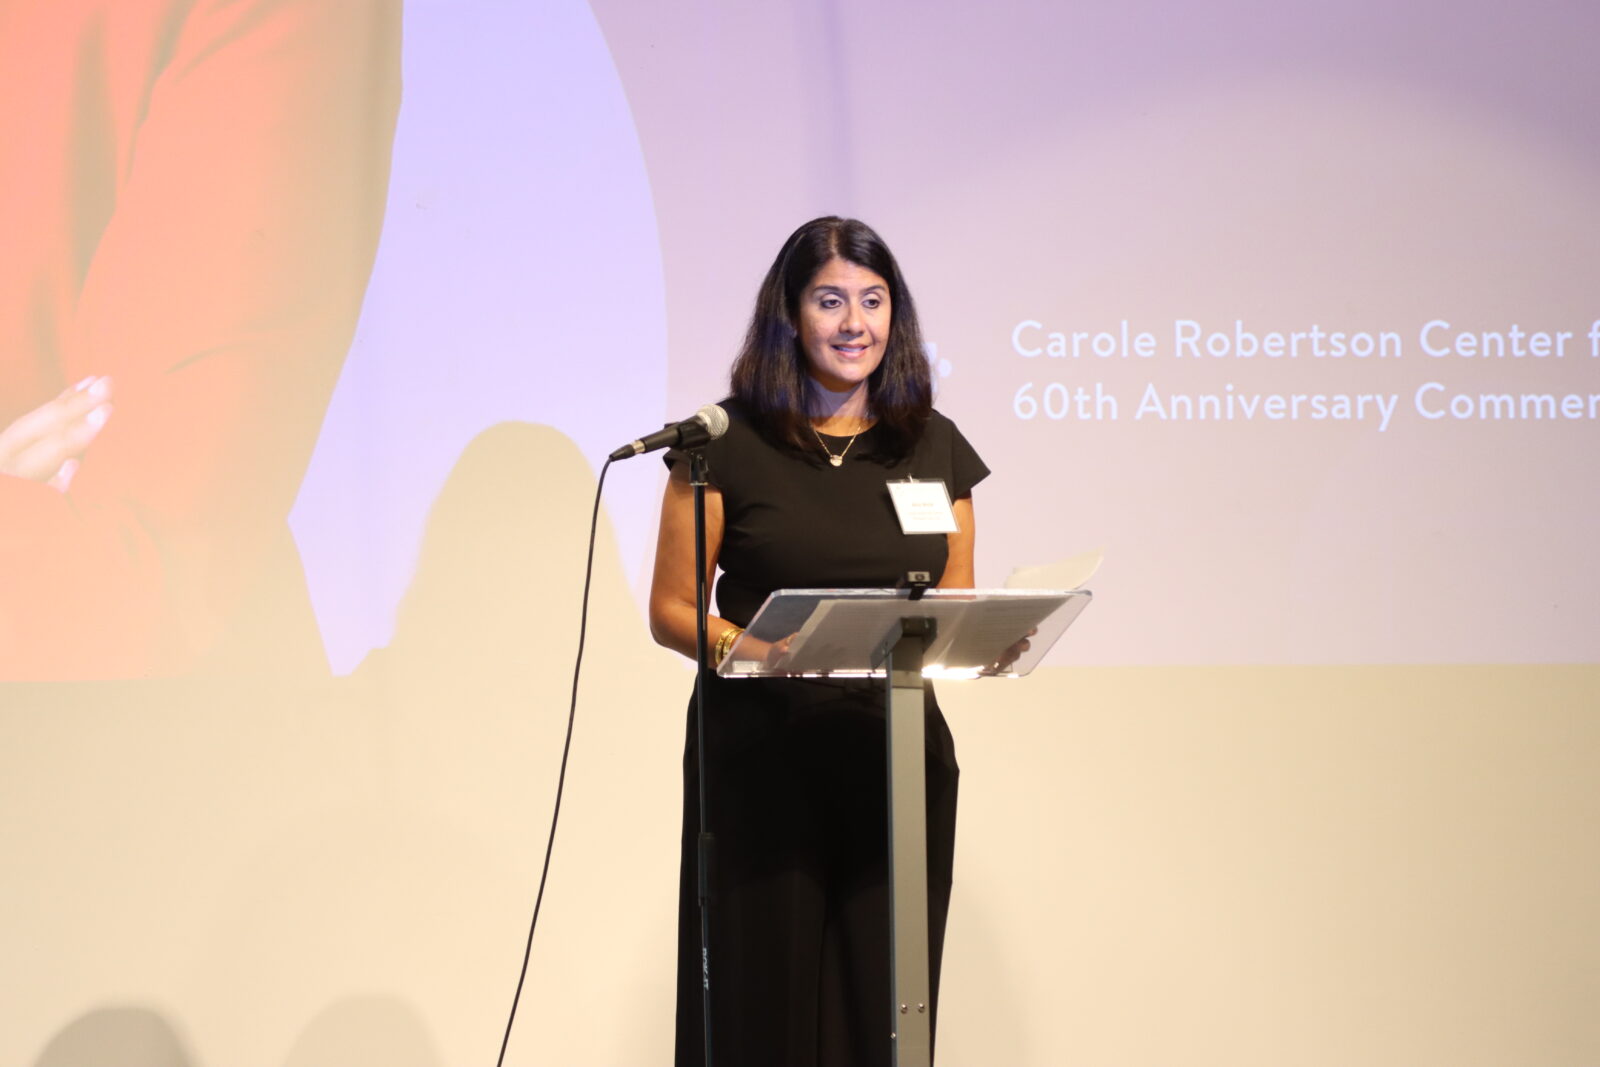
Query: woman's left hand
point(1010, 656)
point(770, 654)
point(46, 444)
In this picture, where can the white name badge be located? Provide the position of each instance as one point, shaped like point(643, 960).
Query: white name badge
point(923, 507)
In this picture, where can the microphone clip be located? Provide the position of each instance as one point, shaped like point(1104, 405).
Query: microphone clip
point(916, 581)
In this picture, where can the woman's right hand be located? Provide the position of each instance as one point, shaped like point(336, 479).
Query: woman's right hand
point(1010, 656)
point(770, 654)
point(46, 444)
point(778, 651)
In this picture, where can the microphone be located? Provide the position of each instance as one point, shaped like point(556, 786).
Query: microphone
point(707, 424)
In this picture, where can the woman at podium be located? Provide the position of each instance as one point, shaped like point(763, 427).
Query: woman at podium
point(830, 401)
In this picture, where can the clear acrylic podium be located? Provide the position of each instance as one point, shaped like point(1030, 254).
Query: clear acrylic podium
point(904, 638)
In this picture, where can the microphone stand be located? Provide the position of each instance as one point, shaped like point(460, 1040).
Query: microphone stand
point(697, 479)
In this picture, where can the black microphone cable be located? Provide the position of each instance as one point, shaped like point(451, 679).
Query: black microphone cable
point(561, 777)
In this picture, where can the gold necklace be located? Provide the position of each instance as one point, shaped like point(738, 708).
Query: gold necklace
point(837, 461)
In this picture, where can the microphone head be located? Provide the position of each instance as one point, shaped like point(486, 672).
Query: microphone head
point(714, 419)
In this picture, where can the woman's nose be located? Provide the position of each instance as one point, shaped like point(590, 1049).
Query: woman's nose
point(851, 323)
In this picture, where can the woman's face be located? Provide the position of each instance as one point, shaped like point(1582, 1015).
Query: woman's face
point(844, 324)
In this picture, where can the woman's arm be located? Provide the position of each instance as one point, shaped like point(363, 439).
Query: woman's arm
point(218, 284)
point(672, 599)
point(958, 570)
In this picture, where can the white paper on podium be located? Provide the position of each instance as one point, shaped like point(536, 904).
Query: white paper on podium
point(989, 629)
point(1073, 572)
point(838, 634)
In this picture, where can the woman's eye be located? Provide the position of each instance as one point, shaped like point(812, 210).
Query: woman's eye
point(871, 303)
point(831, 302)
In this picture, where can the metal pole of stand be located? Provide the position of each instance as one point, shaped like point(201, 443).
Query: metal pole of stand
point(911, 1032)
point(697, 479)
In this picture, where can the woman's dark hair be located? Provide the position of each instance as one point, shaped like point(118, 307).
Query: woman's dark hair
point(770, 377)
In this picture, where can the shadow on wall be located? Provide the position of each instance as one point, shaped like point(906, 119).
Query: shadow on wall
point(357, 1030)
point(365, 1030)
point(472, 697)
point(498, 583)
point(480, 668)
point(116, 1037)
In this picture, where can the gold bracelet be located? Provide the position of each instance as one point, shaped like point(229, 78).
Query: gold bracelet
point(724, 644)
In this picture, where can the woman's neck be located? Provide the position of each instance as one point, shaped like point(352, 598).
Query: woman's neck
point(843, 413)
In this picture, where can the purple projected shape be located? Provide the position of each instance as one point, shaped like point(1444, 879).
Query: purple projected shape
point(519, 278)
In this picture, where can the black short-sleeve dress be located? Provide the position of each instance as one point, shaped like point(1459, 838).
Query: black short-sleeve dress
point(796, 784)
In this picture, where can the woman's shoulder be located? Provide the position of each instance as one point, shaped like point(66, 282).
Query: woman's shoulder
point(940, 427)
point(734, 408)
point(744, 430)
point(944, 445)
